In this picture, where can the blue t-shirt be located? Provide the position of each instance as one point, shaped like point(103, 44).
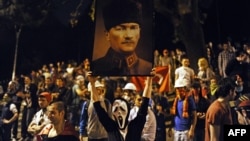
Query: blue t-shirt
point(181, 123)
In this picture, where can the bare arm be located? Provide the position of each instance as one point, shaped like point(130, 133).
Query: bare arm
point(12, 119)
point(35, 128)
point(148, 86)
point(94, 95)
point(214, 132)
point(192, 77)
point(81, 91)
point(192, 127)
point(242, 118)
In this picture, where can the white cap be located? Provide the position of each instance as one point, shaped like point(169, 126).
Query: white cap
point(179, 83)
point(130, 86)
point(97, 84)
point(79, 77)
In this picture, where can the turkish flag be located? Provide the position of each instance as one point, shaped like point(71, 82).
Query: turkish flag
point(162, 77)
point(139, 82)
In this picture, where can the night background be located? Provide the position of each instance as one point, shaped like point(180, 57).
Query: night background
point(56, 40)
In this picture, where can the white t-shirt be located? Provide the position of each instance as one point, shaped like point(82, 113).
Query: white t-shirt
point(40, 117)
point(185, 75)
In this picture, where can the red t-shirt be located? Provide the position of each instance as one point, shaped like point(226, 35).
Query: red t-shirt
point(217, 114)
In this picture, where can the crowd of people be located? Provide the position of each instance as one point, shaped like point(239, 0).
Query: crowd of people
point(64, 101)
point(206, 98)
point(70, 102)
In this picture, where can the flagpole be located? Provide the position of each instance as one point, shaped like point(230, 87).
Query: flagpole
point(18, 31)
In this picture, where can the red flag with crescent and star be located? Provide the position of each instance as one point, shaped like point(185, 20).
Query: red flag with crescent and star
point(162, 77)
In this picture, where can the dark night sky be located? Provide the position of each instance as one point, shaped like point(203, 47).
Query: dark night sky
point(60, 42)
point(43, 45)
point(228, 18)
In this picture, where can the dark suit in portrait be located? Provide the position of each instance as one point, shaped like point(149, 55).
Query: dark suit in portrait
point(114, 63)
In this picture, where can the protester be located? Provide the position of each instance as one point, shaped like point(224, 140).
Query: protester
point(31, 106)
point(219, 112)
point(76, 99)
point(40, 118)
point(60, 129)
point(238, 67)
point(14, 89)
point(129, 91)
point(161, 108)
point(184, 73)
point(89, 122)
point(149, 130)
point(9, 114)
point(202, 105)
point(184, 113)
point(118, 127)
point(243, 112)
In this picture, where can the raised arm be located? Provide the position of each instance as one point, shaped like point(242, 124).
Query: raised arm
point(107, 122)
point(148, 86)
point(94, 95)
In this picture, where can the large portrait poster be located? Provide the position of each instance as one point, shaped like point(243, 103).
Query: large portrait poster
point(123, 40)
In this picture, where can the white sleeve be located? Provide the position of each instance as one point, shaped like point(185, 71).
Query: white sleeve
point(13, 108)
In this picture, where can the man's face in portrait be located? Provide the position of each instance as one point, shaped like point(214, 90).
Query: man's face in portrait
point(124, 37)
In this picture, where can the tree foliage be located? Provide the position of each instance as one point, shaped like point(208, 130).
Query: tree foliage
point(185, 15)
point(24, 12)
point(187, 19)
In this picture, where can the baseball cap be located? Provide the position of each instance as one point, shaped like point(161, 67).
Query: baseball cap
point(47, 95)
point(79, 77)
point(97, 84)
